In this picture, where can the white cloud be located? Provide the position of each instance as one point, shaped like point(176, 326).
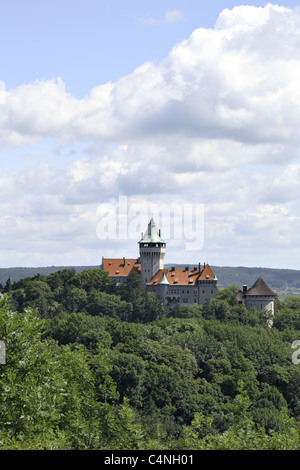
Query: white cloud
point(238, 81)
point(216, 123)
point(170, 17)
point(174, 16)
point(250, 17)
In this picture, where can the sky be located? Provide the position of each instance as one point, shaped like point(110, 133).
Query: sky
point(157, 104)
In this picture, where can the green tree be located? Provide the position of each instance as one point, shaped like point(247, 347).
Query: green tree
point(76, 300)
point(30, 383)
point(229, 294)
point(243, 434)
point(101, 303)
point(95, 279)
point(8, 286)
point(37, 295)
point(218, 309)
point(127, 372)
point(60, 284)
point(78, 328)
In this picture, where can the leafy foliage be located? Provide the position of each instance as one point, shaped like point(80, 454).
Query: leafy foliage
point(91, 365)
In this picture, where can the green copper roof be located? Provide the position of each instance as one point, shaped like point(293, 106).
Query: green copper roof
point(164, 280)
point(152, 234)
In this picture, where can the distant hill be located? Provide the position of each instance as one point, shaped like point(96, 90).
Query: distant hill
point(283, 281)
point(15, 274)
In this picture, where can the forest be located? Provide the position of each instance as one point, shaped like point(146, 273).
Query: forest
point(90, 365)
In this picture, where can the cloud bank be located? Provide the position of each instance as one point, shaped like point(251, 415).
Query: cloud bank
point(216, 122)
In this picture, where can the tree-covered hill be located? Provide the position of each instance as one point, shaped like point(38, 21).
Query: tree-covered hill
point(90, 365)
point(278, 279)
point(17, 273)
point(283, 281)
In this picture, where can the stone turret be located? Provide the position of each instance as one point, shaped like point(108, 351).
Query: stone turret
point(152, 252)
point(259, 296)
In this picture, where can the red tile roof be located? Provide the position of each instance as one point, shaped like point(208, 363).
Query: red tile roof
point(187, 277)
point(207, 273)
point(120, 267)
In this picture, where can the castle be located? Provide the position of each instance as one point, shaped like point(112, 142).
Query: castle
point(180, 286)
point(174, 286)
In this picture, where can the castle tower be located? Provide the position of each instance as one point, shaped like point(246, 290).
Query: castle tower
point(152, 252)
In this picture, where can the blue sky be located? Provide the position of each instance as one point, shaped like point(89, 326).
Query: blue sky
point(161, 101)
point(90, 42)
